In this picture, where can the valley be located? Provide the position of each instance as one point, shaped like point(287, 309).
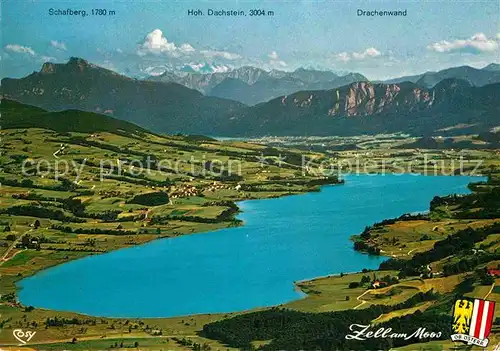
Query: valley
point(99, 166)
point(96, 207)
point(249, 175)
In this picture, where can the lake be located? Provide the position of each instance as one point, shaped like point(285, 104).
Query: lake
point(283, 240)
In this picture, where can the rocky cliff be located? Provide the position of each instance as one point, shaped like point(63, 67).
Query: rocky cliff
point(364, 107)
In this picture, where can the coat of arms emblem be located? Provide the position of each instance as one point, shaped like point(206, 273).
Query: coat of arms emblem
point(472, 321)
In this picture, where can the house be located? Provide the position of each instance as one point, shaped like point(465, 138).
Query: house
point(379, 284)
point(494, 272)
point(185, 191)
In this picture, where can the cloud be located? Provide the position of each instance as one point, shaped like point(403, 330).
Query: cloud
point(223, 54)
point(370, 52)
point(20, 49)
point(155, 51)
point(186, 48)
point(59, 45)
point(275, 62)
point(343, 56)
point(366, 54)
point(156, 43)
point(48, 58)
point(273, 55)
point(477, 44)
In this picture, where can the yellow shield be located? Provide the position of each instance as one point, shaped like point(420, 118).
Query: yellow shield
point(462, 314)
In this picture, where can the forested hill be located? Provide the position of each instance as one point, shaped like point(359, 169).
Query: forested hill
point(18, 115)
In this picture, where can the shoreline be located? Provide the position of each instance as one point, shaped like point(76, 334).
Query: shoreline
point(234, 216)
point(326, 276)
point(295, 283)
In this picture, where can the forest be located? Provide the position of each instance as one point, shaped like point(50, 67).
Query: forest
point(293, 330)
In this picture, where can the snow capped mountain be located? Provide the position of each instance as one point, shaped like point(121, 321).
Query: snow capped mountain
point(204, 68)
point(252, 85)
point(204, 76)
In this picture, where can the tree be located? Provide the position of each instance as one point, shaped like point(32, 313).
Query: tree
point(36, 224)
point(386, 279)
point(26, 183)
point(136, 344)
point(26, 240)
point(74, 341)
point(365, 279)
point(158, 231)
point(353, 285)
point(7, 228)
point(484, 277)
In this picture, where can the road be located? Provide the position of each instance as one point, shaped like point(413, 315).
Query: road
point(11, 247)
point(362, 301)
point(489, 292)
point(96, 337)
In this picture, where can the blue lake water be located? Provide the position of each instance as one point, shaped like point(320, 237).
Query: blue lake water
point(283, 240)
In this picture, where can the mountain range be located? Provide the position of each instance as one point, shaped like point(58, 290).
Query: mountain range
point(478, 77)
point(353, 108)
point(251, 85)
point(369, 108)
point(78, 84)
point(204, 83)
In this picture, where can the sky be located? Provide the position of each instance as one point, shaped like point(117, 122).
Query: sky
point(142, 38)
